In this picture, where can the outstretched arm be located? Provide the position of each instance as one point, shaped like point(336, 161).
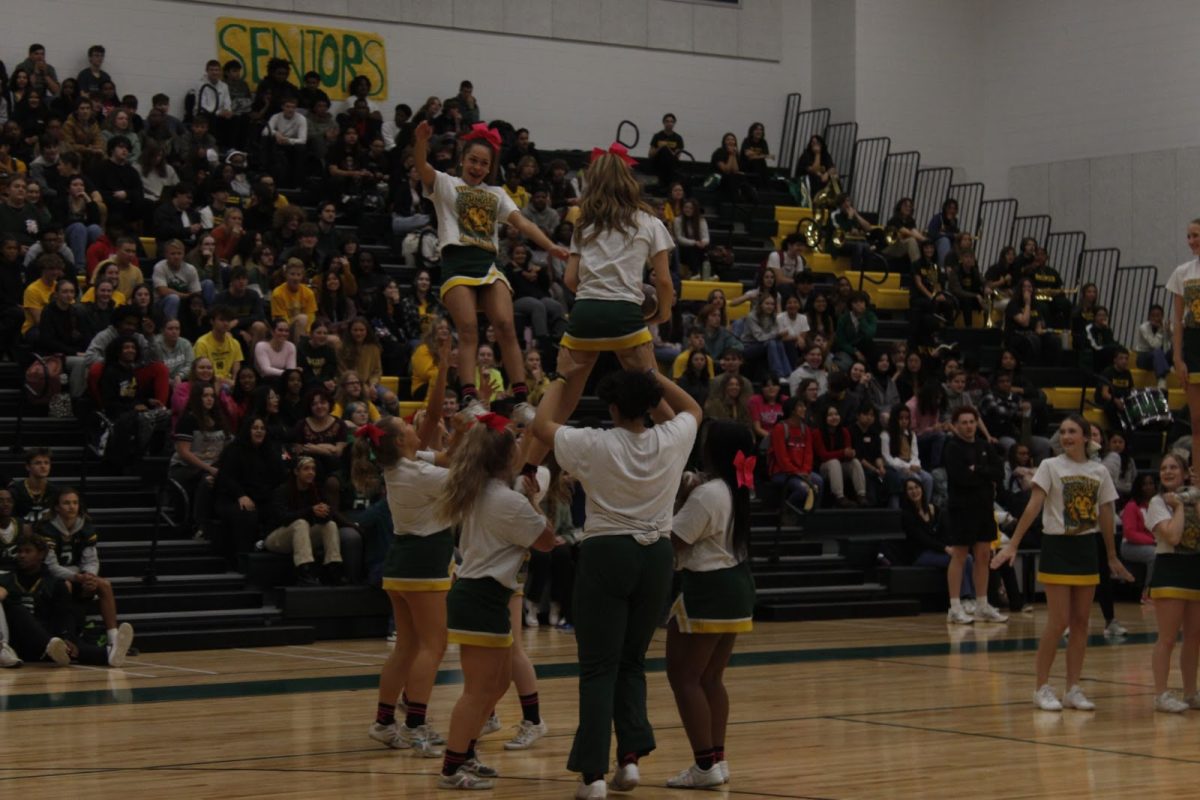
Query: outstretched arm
point(421, 136)
point(433, 405)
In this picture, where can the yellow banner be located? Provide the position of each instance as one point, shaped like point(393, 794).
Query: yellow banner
point(338, 56)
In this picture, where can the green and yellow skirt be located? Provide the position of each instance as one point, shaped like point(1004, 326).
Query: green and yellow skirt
point(1176, 577)
point(605, 325)
point(419, 563)
point(477, 613)
point(469, 266)
point(1069, 560)
point(720, 601)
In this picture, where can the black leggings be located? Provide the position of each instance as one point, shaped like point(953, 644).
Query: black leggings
point(29, 637)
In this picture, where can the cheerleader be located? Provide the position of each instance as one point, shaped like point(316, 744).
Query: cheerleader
point(716, 599)
point(1075, 497)
point(623, 577)
point(615, 237)
point(469, 210)
point(1184, 285)
point(416, 571)
point(498, 526)
point(1175, 585)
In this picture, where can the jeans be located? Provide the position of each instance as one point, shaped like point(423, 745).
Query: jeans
point(169, 306)
point(797, 487)
point(78, 237)
point(943, 246)
point(777, 358)
point(939, 558)
point(208, 290)
point(1156, 360)
point(1140, 554)
point(929, 446)
point(546, 316)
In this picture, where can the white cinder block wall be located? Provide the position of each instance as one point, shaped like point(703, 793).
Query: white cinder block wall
point(569, 93)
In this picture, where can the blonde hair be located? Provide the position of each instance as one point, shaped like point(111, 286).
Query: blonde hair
point(612, 198)
point(482, 454)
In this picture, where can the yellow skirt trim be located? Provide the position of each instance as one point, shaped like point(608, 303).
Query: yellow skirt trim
point(417, 584)
point(1172, 593)
point(1193, 377)
point(480, 639)
point(604, 345)
point(493, 276)
point(689, 625)
point(1068, 580)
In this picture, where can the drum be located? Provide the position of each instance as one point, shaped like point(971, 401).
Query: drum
point(1146, 408)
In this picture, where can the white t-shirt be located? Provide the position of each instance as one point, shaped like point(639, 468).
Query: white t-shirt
point(471, 215)
point(788, 266)
point(413, 488)
point(1185, 281)
point(796, 327)
point(705, 522)
point(630, 478)
point(1074, 494)
point(497, 534)
point(611, 265)
point(1159, 512)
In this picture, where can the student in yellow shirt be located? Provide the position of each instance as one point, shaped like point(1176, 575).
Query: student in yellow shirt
point(223, 350)
point(294, 301)
point(39, 293)
point(514, 189)
point(695, 342)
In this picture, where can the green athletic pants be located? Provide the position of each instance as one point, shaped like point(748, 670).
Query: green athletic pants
point(621, 593)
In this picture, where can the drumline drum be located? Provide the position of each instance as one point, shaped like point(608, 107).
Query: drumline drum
point(1146, 408)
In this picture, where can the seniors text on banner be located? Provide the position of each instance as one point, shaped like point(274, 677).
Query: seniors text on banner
point(338, 56)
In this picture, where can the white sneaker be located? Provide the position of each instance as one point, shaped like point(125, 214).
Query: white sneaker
point(959, 616)
point(1169, 703)
point(491, 726)
point(1075, 698)
point(391, 638)
point(986, 612)
point(1194, 701)
point(120, 648)
point(724, 765)
point(1115, 630)
point(9, 657)
point(596, 790)
point(555, 614)
point(1045, 699)
point(463, 779)
point(56, 651)
point(389, 735)
point(422, 740)
point(479, 769)
point(531, 617)
point(626, 778)
point(969, 606)
point(527, 733)
point(695, 778)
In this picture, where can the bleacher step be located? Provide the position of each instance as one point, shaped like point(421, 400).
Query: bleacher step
point(221, 638)
point(858, 609)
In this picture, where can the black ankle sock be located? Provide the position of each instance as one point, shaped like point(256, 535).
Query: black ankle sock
point(628, 758)
point(592, 777)
point(530, 708)
point(471, 749)
point(705, 759)
point(414, 716)
point(718, 752)
point(451, 761)
point(385, 714)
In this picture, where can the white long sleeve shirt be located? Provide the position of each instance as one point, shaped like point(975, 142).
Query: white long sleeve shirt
point(295, 130)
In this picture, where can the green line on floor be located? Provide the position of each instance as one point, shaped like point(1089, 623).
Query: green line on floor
point(342, 683)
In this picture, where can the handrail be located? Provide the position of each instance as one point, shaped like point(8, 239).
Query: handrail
point(150, 576)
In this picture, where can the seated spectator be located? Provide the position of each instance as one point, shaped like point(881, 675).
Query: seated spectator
point(50, 240)
point(246, 305)
point(334, 305)
point(1047, 281)
point(174, 279)
point(220, 347)
point(727, 165)
point(691, 234)
point(82, 135)
point(127, 321)
point(360, 351)
point(839, 464)
point(12, 287)
point(931, 307)
point(245, 384)
point(64, 330)
point(695, 344)
point(293, 301)
point(726, 399)
point(881, 389)
point(925, 535)
point(930, 420)
point(1005, 416)
point(33, 495)
point(317, 358)
point(532, 298)
point(291, 400)
point(176, 220)
point(228, 233)
point(562, 193)
point(909, 239)
point(1119, 463)
point(41, 612)
point(718, 339)
point(272, 357)
point(901, 454)
point(1115, 386)
point(175, 352)
point(305, 251)
point(486, 372)
point(210, 268)
point(18, 217)
point(821, 321)
point(1151, 343)
point(194, 319)
point(194, 149)
point(350, 390)
point(387, 315)
point(98, 308)
point(539, 212)
point(1083, 314)
point(865, 438)
point(513, 188)
point(285, 138)
point(787, 264)
point(966, 286)
point(302, 520)
point(793, 329)
point(1099, 346)
point(1138, 544)
point(321, 435)
point(119, 184)
point(200, 436)
point(766, 409)
point(792, 458)
point(855, 339)
point(696, 375)
point(140, 419)
point(943, 229)
point(124, 257)
point(761, 338)
point(248, 471)
point(755, 153)
point(812, 369)
point(80, 215)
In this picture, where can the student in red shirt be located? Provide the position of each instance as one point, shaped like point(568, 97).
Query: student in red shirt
point(791, 458)
point(835, 453)
point(766, 409)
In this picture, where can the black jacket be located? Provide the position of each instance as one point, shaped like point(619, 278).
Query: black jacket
point(973, 470)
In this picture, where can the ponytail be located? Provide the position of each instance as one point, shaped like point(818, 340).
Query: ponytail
point(376, 447)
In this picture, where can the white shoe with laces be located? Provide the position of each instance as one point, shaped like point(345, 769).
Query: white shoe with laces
point(1114, 630)
point(969, 606)
point(596, 790)
point(491, 726)
point(9, 657)
point(626, 778)
point(959, 616)
point(1076, 699)
point(464, 779)
point(695, 778)
point(1045, 699)
point(56, 651)
point(527, 733)
point(1194, 701)
point(421, 739)
point(986, 612)
point(389, 735)
point(120, 648)
point(1169, 703)
point(724, 765)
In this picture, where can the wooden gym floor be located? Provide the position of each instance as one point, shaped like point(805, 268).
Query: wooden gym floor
point(904, 708)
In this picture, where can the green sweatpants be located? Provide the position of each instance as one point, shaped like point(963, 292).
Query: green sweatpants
point(621, 591)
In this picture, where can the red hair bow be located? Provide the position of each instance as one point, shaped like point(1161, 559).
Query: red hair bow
point(494, 421)
point(615, 149)
point(743, 466)
point(480, 130)
point(370, 431)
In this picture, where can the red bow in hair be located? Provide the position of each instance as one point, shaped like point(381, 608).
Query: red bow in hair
point(480, 130)
point(494, 421)
point(615, 149)
point(370, 431)
point(743, 466)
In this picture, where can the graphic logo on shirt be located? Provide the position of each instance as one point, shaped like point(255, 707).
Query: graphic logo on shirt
point(476, 211)
point(1080, 511)
point(1189, 542)
point(1191, 303)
